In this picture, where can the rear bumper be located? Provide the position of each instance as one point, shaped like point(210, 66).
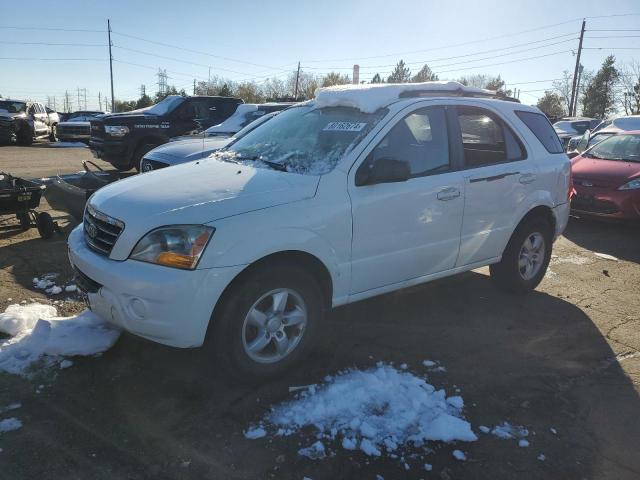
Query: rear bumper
point(73, 137)
point(607, 203)
point(561, 214)
point(164, 305)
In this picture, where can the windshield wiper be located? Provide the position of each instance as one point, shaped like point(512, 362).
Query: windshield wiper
point(275, 165)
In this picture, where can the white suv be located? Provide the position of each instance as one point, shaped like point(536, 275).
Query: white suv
point(362, 191)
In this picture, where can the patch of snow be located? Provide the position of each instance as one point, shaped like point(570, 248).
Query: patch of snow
point(523, 443)
point(369, 98)
point(428, 363)
point(253, 433)
point(605, 256)
point(571, 258)
point(403, 366)
point(38, 332)
point(70, 288)
point(10, 424)
point(428, 467)
point(69, 145)
point(456, 402)
point(484, 429)
point(315, 451)
point(553, 430)
point(65, 363)
point(459, 455)
point(378, 410)
point(542, 457)
point(507, 431)
point(55, 290)
point(11, 406)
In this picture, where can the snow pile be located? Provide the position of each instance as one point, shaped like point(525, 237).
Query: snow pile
point(48, 284)
point(38, 332)
point(507, 431)
point(369, 98)
point(377, 410)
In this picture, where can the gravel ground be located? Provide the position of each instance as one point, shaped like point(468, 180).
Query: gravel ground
point(566, 357)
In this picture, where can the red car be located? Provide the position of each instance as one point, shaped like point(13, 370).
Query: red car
point(606, 178)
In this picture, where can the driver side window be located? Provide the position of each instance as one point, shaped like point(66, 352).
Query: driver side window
point(421, 139)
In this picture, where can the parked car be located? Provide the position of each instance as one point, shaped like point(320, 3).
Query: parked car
point(604, 130)
point(606, 178)
point(362, 191)
point(194, 147)
point(570, 127)
point(54, 121)
point(245, 114)
point(122, 139)
point(77, 127)
point(23, 122)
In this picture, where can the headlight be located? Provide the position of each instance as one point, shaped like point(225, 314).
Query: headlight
point(116, 130)
point(178, 246)
point(632, 185)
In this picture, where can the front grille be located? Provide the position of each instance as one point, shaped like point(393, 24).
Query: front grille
point(589, 204)
point(100, 231)
point(84, 283)
point(74, 130)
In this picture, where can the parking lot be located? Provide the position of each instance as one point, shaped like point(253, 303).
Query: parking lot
point(563, 359)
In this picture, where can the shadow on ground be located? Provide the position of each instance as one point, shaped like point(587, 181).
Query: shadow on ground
point(606, 237)
point(145, 411)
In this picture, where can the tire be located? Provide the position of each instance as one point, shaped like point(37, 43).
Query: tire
point(232, 334)
point(520, 272)
point(25, 220)
point(121, 168)
point(45, 224)
point(140, 152)
point(25, 137)
point(53, 135)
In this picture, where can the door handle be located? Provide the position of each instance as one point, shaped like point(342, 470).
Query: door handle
point(526, 178)
point(448, 194)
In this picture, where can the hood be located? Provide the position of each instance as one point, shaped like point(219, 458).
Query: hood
point(603, 173)
point(129, 117)
point(186, 150)
point(10, 115)
point(195, 193)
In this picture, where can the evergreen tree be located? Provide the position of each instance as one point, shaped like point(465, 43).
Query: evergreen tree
point(551, 105)
point(401, 74)
point(225, 91)
point(424, 75)
point(376, 78)
point(144, 101)
point(599, 96)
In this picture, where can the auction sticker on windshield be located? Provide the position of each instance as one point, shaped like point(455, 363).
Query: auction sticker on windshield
point(344, 127)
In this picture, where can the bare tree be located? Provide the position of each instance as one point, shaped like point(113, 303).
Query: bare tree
point(335, 78)
point(630, 88)
point(563, 88)
point(274, 89)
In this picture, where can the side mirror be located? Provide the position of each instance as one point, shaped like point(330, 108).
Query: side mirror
point(383, 170)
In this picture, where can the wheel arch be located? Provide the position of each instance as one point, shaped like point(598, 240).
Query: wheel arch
point(295, 257)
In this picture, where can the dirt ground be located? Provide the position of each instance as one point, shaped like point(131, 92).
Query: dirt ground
point(566, 356)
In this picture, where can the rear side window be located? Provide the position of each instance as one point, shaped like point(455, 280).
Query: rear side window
point(486, 140)
point(542, 129)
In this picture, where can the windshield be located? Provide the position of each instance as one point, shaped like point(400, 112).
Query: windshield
point(84, 115)
point(256, 123)
point(13, 107)
point(304, 139)
point(617, 147)
point(163, 107)
point(598, 138)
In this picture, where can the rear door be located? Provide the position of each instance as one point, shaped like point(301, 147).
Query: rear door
point(497, 178)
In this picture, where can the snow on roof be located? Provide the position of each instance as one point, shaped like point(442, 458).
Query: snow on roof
point(371, 97)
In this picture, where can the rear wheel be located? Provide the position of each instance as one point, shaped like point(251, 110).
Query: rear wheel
point(25, 220)
point(45, 224)
point(53, 134)
point(25, 137)
point(140, 152)
point(526, 258)
point(267, 322)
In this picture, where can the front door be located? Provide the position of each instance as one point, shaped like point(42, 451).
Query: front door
point(408, 229)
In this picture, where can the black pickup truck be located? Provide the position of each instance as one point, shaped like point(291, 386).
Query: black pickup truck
point(122, 139)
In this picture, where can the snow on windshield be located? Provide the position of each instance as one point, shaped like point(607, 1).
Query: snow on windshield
point(236, 121)
point(304, 140)
point(369, 98)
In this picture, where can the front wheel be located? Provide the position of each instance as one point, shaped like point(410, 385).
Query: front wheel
point(526, 258)
point(267, 322)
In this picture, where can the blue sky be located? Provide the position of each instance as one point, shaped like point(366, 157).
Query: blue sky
point(254, 40)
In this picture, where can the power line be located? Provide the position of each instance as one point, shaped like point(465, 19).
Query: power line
point(55, 44)
point(55, 59)
point(51, 29)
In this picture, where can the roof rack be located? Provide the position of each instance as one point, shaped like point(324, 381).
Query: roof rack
point(458, 92)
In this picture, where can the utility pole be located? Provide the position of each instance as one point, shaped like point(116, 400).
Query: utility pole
point(575, 103)
point(574, 93)
point(295, 96)
point(194, 86)
point(113, 108)
point(99, 100)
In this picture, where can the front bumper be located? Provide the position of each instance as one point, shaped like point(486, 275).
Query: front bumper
point(162, 304)
point(72, 137)
point(607, 203)
point(112, 151)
